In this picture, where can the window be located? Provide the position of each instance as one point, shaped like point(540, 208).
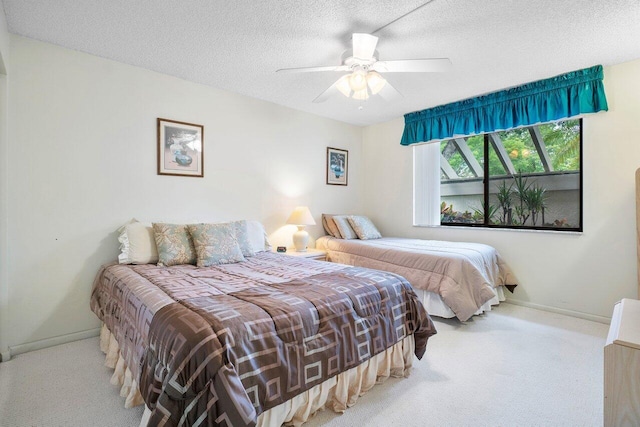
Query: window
point(534, 179)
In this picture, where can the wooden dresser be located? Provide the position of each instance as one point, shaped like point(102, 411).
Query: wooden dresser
point(622, 366)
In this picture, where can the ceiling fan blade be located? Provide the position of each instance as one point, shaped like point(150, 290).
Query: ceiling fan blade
point(364, 45)
point(333, 90)
point(389, 93)
point(313, 69)
point(433, 65)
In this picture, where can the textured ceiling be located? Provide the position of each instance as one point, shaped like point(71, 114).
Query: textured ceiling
point(238, 45)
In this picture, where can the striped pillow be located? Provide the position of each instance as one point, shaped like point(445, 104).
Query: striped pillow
point(342, 223)
point(330, 226)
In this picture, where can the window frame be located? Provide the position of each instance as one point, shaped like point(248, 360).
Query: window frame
point(486, 181)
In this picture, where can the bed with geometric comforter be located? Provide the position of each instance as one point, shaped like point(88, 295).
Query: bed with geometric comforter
point(222, 345)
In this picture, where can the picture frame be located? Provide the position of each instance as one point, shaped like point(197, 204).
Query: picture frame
point(180, 148)
point(337, 166)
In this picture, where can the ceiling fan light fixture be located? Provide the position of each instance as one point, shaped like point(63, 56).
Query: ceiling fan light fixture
point(358, 80)
point(343, 85)
point(364, 68)
point(361, 95)
point(375, 81)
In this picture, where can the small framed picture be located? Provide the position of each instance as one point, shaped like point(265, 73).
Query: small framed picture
point(337, 166)
point(180, 148)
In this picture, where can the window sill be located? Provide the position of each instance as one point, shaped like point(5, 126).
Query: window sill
point(524, 230)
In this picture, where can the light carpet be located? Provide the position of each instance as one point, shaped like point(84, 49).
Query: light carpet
point(514, 366)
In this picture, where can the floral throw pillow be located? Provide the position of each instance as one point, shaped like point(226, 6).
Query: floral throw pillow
point(342, 222)
point(242, 235)
point(363, 227)
point(215, 244)
point(174, 244)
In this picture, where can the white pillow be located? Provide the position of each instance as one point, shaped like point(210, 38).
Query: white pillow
point(138, 244)
point(258, 236)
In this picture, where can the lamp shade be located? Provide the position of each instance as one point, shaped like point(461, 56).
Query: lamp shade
point(301, 216)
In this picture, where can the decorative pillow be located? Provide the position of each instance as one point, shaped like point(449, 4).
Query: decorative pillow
point(330, 226)
point(257, 236)
point(175, 245)
point(363, 227)
point(137, 244)
point(342, 223)
point(242, 235)
point(215, 244)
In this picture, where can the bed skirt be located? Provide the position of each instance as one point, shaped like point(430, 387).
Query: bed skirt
point(122, 376)
point(337, 393)
point(436, 307)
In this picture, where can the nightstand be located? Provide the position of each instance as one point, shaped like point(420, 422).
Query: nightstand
point(317, 254)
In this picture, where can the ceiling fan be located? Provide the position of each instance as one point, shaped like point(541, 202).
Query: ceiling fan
point(364, 68)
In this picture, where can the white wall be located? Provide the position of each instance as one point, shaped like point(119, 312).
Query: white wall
point(579, 274)
point(4, 286)
point(82, 161)
point(4, 41)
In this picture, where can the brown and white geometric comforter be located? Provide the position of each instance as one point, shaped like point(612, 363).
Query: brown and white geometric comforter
point(464, 274)
point(220, 345)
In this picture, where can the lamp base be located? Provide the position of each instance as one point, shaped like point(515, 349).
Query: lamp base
point(301, 239)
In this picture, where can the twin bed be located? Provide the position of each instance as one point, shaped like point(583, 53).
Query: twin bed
point(272, 339)
point(452, 279)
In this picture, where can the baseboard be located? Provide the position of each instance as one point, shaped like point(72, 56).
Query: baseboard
point(50, 342)
point(5, 355)
point(586, 316)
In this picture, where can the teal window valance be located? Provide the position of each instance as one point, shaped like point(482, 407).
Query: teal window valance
point(560, 97)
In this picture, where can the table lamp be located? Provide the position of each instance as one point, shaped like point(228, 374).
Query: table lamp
point(300, 217)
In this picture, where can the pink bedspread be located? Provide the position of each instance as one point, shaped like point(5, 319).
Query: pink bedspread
point(462, 273)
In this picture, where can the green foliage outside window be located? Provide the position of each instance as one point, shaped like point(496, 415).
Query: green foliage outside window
point(562, 140)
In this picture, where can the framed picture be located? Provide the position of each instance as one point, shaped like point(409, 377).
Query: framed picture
point(180, 148)
point(337, 166)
